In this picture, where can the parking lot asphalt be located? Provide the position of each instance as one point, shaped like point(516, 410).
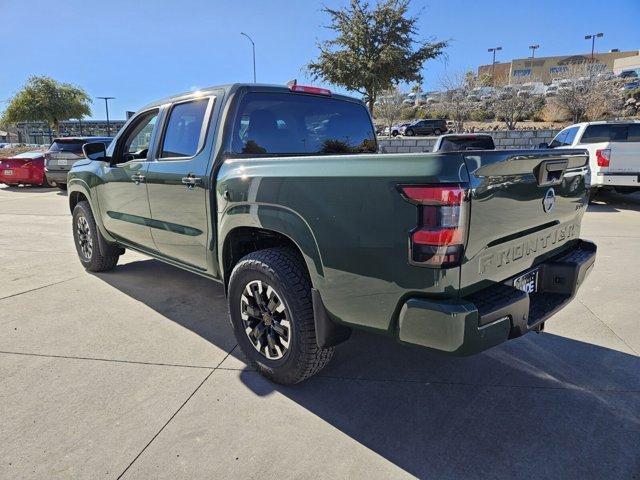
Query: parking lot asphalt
point(135, 373)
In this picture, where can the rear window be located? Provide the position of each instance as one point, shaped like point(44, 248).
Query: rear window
point(73, 146)
point(453, 144)
point(295, 124)
point(611, 133)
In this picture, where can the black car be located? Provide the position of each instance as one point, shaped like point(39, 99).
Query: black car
point(426, 127)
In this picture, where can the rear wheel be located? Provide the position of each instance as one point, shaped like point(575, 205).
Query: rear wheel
point(272, 315)
point(592, 194)
point(95, 254)
point(409, 132)
point(46, 183)
point(437, 132)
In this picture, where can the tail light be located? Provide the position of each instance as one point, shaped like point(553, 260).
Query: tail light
point(438, 239)
point(603, 155)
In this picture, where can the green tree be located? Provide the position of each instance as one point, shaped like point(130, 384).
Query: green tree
point(375, 48)
point(46, 100)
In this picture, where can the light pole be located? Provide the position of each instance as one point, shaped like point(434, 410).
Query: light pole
point(493, 64)
point(253, 47)
point(106, 106)
point(593, 42)
point(533, 49)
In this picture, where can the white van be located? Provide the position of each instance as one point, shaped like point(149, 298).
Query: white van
point(614, 153)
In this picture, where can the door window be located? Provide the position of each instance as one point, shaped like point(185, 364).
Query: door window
point(184, 128)
point(137, 139)
point(571, 135)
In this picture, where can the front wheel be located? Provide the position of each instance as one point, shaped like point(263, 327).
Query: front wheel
point(272, 315)
point(409, 132)
point(95, 254)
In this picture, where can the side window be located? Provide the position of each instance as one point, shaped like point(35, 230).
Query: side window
point(559, 139)
point(571, 135)
point(137, 139)
point(182, 135)
point(596, 134)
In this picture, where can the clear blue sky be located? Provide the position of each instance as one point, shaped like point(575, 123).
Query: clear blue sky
point(142, 50)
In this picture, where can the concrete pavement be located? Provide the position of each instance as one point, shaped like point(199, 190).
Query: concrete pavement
point(134, 374)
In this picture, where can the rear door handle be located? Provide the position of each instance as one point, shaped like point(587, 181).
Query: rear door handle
point(191, 181)
point(137, 178)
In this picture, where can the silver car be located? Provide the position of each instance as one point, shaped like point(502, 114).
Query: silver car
point(63, 153)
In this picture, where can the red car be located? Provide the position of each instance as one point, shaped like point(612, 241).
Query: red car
point(25, 168)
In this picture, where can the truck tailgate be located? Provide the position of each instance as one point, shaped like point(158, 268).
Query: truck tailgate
point(525, 207)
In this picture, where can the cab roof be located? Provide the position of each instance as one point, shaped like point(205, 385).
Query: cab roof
point(234, 87)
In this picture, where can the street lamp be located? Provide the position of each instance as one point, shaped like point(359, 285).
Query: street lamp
point(493, 64)
point(533, 49)
point(253, 47)
point(593, 41)
point(106, 106)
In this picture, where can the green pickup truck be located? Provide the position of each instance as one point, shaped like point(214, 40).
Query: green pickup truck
point(280, 194)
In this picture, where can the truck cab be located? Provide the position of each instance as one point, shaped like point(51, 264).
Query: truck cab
point(614, 153)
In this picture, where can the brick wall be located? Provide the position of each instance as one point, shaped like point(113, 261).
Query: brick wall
point(515, 139)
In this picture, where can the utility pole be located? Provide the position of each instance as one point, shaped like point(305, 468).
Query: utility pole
point(593, 42)
point(533, 49)
point(493, 63)
point(253, 47)
point(106, 106)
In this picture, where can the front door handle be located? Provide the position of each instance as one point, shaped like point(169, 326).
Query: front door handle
point(137, 178)
point(191, 181)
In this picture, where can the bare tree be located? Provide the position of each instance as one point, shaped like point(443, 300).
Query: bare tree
point(515, 103)
point(456, 99)
point(389, 106)
point(585, 93)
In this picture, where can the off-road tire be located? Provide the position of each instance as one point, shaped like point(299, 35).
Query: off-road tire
point(103, 255)
point(284, 270)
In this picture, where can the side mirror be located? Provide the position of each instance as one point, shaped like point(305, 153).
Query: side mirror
point(543, 145)
point(95, 151)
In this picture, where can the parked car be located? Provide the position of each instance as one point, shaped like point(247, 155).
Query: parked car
point(426, 127)
point(313, 233)
point(459, 142)
point(395, 129)
point(614, 152)
point(24, 169)
point(63, 153)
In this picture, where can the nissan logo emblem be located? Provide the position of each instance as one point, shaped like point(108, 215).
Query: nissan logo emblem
point(549, 201)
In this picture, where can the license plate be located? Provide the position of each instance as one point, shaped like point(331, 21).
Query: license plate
point(8, 172)
point(528, 282)
point(62, 162)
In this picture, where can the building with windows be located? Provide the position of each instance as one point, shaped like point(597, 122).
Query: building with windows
point(546, 68)
point(39, 132)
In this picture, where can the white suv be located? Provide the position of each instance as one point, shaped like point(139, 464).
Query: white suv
point(614, 153)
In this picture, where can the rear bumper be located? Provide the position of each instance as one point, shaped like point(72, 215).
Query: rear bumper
point(58, 176)
point(491, 316)
point(21, 175)
point(615, 180)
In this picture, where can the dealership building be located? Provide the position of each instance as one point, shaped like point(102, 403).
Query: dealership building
point(546, 68)
point(40, 133)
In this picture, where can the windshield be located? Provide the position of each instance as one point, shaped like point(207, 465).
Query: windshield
point(452, 144)
point(72, 146)
point(294, 124)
